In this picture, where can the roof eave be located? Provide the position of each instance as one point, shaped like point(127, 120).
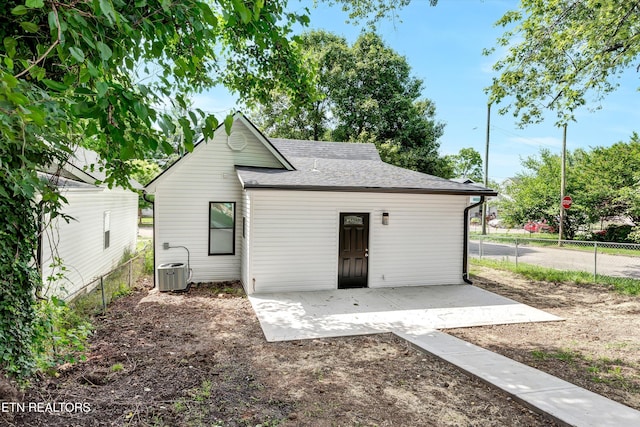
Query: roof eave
point(352, 189)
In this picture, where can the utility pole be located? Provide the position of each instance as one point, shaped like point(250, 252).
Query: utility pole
point(486, 169)
point(563, 182)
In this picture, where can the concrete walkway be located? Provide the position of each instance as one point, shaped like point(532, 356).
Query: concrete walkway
point(540, 391)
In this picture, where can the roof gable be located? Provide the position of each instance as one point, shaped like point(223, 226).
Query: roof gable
point(236, 142)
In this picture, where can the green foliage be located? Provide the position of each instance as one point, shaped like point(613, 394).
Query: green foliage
point(614, 233)
point(117, 367)
point(365, 93)
point(96, 74)
point(563, 55)
point(148, 261)
point(18, 278)
point(374, 11)
point(60, 334)
point(144, 171)
point(564, 355)
point(467, 164)
point(609, 180)
point(534, 195)
point(603, 183)
point(634, 235)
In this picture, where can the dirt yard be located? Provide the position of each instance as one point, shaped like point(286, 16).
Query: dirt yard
point(200, 359)
point(597, 347)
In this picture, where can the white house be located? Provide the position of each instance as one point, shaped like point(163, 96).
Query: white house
point(285, 215)
point(104, 226)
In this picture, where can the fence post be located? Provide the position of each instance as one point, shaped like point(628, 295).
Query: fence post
point(104, 302)
point(595, 261)
point(516, 253)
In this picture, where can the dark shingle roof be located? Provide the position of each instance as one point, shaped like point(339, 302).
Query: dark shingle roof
point(64, 182)
point(334, 166)
point(291, 148)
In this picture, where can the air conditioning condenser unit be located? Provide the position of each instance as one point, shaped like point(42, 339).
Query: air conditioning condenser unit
point(172, 277)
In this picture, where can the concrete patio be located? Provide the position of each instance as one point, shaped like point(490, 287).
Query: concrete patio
point(410, 310)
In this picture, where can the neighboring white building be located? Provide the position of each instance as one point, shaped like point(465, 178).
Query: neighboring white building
point(285, 215)
point(104, 226)
point(492, 210)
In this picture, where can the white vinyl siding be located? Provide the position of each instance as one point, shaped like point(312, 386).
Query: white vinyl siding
point(294, 236)
point(80, 244)
point(182, 197)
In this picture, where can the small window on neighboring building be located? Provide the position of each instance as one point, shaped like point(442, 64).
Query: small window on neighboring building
point(106, 228)
point(222, 228)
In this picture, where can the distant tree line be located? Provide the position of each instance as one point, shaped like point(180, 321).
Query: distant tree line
point(604, 183)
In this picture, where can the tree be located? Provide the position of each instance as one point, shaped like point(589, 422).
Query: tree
point(603, 183)
point(534, 194)
point(467, 164)
point(366, 94)
point(562, 52)
point(609, 180)
point(96, 74)
point(143, 172)
point(376, 10)
point(330, 57)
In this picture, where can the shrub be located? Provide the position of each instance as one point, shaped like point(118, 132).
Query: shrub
point(613, 233)
point(148, 261)
point(634, 236)
point(61, 333)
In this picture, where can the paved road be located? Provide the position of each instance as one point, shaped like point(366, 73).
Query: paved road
point(145, 231)
point(561, 258)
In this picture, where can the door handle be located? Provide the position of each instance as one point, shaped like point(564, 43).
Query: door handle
point(366, 253)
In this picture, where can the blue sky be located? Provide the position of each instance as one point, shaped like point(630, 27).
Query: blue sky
point(443, 45)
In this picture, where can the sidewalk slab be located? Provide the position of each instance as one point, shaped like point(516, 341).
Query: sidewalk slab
point(566, 402)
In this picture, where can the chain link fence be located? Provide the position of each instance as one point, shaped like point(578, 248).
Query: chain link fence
point(118, 282)
point(598, 258)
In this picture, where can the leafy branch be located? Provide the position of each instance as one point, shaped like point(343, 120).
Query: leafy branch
point(53, 45)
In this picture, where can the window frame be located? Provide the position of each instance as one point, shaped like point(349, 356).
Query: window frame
point(106, 230)
point(233, 228)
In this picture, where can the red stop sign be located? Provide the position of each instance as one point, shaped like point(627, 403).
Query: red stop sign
point(566, 202)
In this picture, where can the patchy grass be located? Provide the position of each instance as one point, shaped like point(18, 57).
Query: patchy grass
point(515, 235)
point(146, 221)
point(117, 367)
point(601, 370)
point(622, 285)
point(564, 355)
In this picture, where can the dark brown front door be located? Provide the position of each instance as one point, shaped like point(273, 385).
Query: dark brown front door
point(353, 259)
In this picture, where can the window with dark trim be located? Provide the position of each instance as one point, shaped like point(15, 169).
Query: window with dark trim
point(222, 228)
point(106, 229)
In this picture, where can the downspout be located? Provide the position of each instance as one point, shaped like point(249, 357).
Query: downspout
point(465, 241)
point(144, 197)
